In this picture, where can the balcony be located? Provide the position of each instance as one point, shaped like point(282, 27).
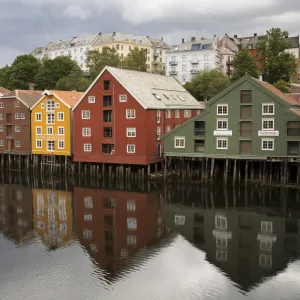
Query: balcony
point(194, 71)
point(173, 62)
point(229, 62)
point(173, 72)
point(195, 62)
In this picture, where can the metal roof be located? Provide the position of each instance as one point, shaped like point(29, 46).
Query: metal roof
point(122, 37)
point(187, 46)
point(57, 45)
point(82, 40)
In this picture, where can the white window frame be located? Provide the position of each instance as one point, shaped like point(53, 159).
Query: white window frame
point(123, 98)
point(267, 120)
point(48, 143)
point(131, 132)
point(88, 202)
point(86, 131)
point(38, 117)
point(57, 105)
point(1, 143)
point(61, 127)
point(52, 120)
point(130, 146)
point(50, 105)
point(17, 143)
point(179, 138)
point(130, 114)
point(177, 114)
point(131, 223)
point(1, 116)
point(42, 105)
point(85, 114)
point(60, 114)
point(266, 226)
point(267, 140)
point(222, 106)
point(59, 146)
point(36, 144)
point(131, 240)
point(268, 105)
point(17, 127)
point(168, 128)
point(130, 204)
point(220, 221)
point(221, 147)
point(17, 116)
point(179, 220)
point(168, 114)
point(51, 129)
point(36, 130)
point(187, 113)
point(87, 147)
point(92, 99)
point(1, 128)
point(17, 103)
point(1, 104)
point(22, 116)
point(222, 120)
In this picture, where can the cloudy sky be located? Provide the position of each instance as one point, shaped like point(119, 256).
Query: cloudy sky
point(26, 24)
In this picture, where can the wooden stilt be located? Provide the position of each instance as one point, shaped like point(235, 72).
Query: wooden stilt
point(226, 170)
point(212, 167)
point(271, 171)
point(234, 171)
point(239, 171)
point(264, 175)
point(246, 171)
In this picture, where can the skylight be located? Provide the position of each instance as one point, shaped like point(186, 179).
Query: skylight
point(180, 98)
point(156, 96)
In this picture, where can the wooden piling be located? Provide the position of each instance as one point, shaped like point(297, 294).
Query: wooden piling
point(212, 167)
point(234, 171)
point(246, 171)
point(226, 170)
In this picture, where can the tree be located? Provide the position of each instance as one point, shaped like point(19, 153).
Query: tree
point(244, 63)
point(96, 61)
point(276, 62)
point(4, 76)
point(54, 69)
point(136, 60)
point(207, 84)
point(74, 81)
point(23, 71)
point(282, 85)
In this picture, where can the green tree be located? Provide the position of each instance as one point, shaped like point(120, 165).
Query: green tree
point(207, 84)
point(23, 71)
point(136, 60)
point(4, 76)
point(276, 62)
point(244, 63)
point(54, 69)
point(96, 61)
point(282, 85)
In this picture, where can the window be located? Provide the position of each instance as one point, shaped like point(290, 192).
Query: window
point(183, 68)
point(183, 57)
point(88, 217)
point(108, 132)
point(92, 99)
point(50, 145)
point(267, 124)
point(266, 226)
point(265, 261)
point(206, 56)
point(87, 234)
point(106, 101)
point(267, 144)
point(168, 128)
point(57, 105)
point(1, 105)
point(246, 96)
point(61, 144)
point(177, 114)
point(130, 113)
point(222, 124)
point(85, 114)
point(87, 147)
point(131, 240)
point(222, 109)
point(222, 143)
point(220, 222)
point(131, 223)
point(50, 105)
point(17, 129)
point(38, 130)
point(268, 109)
point(61, 130)
point(131, 148)
point(179, 220)
point(206, 66)
point(22, 116)
point(221, 255)
point(86, 131)
point(17, 116)
point(38, 144)
point(187, 113)
point(50, 119)
point(123, 98)
point(1, 128)
point(50, 130)
point(17, 143)
point(221, 242)
point(168, 114)
point(130, 205)
point(42, 105)
point(62, 215)
point(107, 116)
point(60, 116)
point(106, 85)
point(131, 132)
point(1, 143)
point(88, 202)
point(1, 116)
point(179, 142)
point(265, 245)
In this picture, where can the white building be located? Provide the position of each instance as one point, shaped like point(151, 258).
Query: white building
point(188, 58)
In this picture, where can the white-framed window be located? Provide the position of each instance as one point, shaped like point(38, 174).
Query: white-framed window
point(38, 117)
point(61, 144)
point(22, 116)
point(266, 226)
point(130, 148)
point(130, 113)
point(63, 229)
point(168, 114)
point(17, 116)
point(265, 245)
point(17, 128)
point(131, 132)
point(187, 113)
point(177, 114)
point(222, 143)
point(1, 105)
point(49, 130)
point(206, 56)
point(50, 145)
point(62, 215)
point(131, 205)
point(267, 124)
point(221, 255)
point(222, 109)
point(158, 130)
point(1, 116)
point(221, 242)
point(42, 105)
point(61, 130)
point(267, 144)
point(222, 124)
point(92, 99)
point(220, 222)
point(85, 114)
point(183, 57)
point(60, 116)
point(123, 98)
point(41, 225)
point(131, 223)
point(168, 128)
point(265, 261)
point(1, 128)
point(1, 143)
point(38, 130)
point(87, 147)
point(17, 143)
point(86, 131)
point(179, 220)
point(131, 240)
point(50, 119)
point(179, 142)
point(57, 105)
point(38, 144)
point(183, 68)
point(87, 234)
point(88, 217)
point(50, 105)
point(88, 202)
point(268, 109)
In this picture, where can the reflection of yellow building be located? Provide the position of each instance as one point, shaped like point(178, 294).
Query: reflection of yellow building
point(53, 216)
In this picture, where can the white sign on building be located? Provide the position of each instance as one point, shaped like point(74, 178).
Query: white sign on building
point(268, 133)
point(223, 133)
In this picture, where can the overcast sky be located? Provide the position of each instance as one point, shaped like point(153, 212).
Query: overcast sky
point(26, 24)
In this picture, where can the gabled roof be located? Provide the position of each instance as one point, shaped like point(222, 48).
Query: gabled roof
point(56, 45)
point(82, 40)
point(152, 91)
point(187, 46)
point(3, 91)
point(27, 97)
point(69, 98)
point(160, 43)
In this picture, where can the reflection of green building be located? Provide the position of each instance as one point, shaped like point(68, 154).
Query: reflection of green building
point(247, 245)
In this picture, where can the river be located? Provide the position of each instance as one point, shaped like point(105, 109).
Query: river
point(178, 242)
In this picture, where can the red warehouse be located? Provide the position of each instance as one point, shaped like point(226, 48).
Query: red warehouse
point(122, 116)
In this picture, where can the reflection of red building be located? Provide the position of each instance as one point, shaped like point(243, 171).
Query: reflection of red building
point(113, 225)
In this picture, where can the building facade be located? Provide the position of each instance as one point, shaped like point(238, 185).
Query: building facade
point(15, 121)
point(187, 59)
point(51, 123)
point(123, 115)
point(295, 78)
point(249, 120)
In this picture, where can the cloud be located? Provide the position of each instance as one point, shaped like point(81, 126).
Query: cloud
point(75, 11)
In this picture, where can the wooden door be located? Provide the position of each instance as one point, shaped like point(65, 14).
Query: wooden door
point(245, 147)
point(8, 131)
point(9, 145)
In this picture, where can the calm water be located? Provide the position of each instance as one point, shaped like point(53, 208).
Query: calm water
point(180, 242)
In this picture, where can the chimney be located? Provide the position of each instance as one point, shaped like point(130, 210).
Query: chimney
point(193, 39)
point(31, 86)
point(255, 34)
point(235, 36)
point(182, 41)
